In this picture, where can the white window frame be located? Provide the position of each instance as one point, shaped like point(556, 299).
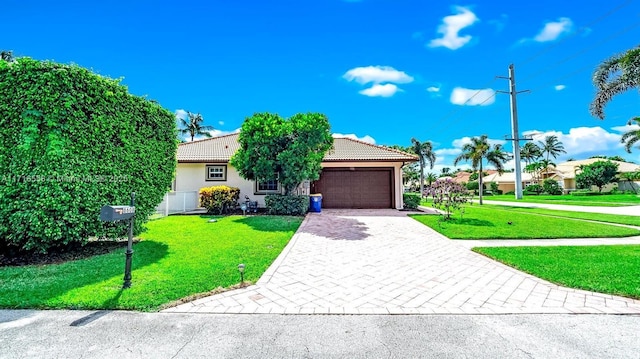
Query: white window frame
point(222, 173)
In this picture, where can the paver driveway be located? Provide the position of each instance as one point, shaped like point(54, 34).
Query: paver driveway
point(381, 261)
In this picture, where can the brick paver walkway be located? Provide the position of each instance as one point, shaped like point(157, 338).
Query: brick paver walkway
point(383, 262)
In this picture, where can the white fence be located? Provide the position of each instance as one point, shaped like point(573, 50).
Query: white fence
point(178, 202)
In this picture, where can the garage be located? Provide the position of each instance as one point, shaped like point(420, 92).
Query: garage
point(356, 187)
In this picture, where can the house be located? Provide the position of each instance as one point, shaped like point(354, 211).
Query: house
point(463, 176)
point(506, 181)
point(355, 174)
point(565, 173)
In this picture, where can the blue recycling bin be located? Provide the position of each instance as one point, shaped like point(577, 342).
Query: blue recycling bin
point(316, 203)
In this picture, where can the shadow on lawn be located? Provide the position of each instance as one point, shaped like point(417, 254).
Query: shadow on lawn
point(63, 277)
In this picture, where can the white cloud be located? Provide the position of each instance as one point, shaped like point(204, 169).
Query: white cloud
point(377, 90)
point(471, 97)
point(433, 89)
point(352, 136)
point(626, 128)
point(221, 123)
point(450, 28)
point(460, 142)
point(376, 75)
point(448, 151)
point(560, 87)
point(552, 30)
point(181, 114)
point(582, 140)
point(499, 23)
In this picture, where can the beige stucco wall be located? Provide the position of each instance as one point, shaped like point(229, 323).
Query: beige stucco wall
point(191, 177)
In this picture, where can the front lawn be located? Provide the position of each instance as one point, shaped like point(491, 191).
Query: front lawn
point(177, 257)
point(480, 222)
point(605, 200)
point(601, 217)
point(605, 269)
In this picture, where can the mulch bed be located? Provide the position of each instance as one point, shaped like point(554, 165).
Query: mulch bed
point(61, 255)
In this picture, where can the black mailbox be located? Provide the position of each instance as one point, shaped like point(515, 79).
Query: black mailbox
point(116, 213)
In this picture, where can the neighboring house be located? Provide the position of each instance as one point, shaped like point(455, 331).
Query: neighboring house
point(463, 176)
point(564, 173)
point(506, 181)
point(355, 174)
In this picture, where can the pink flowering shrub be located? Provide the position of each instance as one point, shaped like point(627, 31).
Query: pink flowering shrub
point(448, 196)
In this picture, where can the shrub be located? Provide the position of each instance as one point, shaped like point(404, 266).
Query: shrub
point(411, 200)
point(585, 192)
point(70, 142)
point(448, 196)
point(289, 205)
point(219, 199)
point(511, 193)
point(472, 185)
point(534, 189)
point(551, 186)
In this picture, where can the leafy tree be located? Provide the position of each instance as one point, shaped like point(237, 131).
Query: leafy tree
point(288, 150)
point(448, 196)
point(530, 152)
point(616, 158)
point(479, 150)
point(410, 174)
point(474, 175)
point(425, 153)
point(551, 186)
point(597, 174)
point(72, 141)
point(614, 76)
point(631, 137)
point(193, 126)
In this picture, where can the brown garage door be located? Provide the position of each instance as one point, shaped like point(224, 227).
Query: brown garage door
point(356, 188)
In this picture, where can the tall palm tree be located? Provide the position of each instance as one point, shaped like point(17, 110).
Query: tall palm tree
point(193, 127)
point(425, 153)
point(431, 177)
point(553, 147)
point(479, 150)
point(614, 76)
point(630, 137)
point(530, 152)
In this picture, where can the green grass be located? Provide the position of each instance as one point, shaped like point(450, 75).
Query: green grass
point(601, 217)
point(604, 269)
point(482, 222)
point(177, 257)
point(608, 200)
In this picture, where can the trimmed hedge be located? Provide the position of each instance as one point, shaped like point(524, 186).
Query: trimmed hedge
point(219, 199)
point(70, 142)
point(411, 200)
point(288, 205)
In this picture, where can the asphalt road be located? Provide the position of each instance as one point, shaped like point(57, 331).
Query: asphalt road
point(86, 334)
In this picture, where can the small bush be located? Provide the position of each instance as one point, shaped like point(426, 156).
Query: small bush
point(534, 188)
point(287, 205)
point(551, 186)
point(472, 185)
point(448, 197)
point(411, 200)
point(582, 192)
point(219, 199)
point(512, 193)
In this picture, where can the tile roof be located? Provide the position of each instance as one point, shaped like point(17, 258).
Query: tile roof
point(220, 149)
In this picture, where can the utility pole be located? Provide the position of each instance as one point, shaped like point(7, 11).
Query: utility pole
point(514, 128)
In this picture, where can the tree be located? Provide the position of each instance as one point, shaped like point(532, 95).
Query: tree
point(614, 76)
point(551, 147)
point(72, 141)
point(597, 174)
point(479, 150)
point(6, 55)
point(287, 150)
point(448, 196)
point(424, 151)
point(193, 127)
point(445, 172)
point(530, 152)
point(630, 137)
point(631, 177)
point(431, 177)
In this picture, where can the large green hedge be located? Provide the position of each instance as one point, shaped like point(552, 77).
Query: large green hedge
point(72, 141)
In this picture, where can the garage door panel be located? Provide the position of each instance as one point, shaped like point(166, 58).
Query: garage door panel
point(358, 188)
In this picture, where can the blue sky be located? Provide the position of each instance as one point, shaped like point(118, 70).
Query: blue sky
point(382, 71)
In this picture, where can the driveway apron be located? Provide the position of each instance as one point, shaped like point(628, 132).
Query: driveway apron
point(384, 262)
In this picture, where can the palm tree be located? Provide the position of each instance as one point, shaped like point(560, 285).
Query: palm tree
point(551, 146)
point(530, 152)
point(630, 137)
point(6, 55)
point(479, 150)
point(614, 76)
point(431, 177)
point(193, 127)
point(424, 151)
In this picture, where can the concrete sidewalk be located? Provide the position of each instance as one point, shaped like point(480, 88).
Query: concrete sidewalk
point(383, 262)
point(626, 210)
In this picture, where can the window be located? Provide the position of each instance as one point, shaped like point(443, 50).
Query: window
point(271, 186)
point(216, 172)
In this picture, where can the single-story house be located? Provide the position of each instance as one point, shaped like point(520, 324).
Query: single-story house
point(355, 174)
point(565, 173)
point(506, 181)
point(463, 176)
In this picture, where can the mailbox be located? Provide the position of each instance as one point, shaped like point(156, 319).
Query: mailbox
point(116, 213)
